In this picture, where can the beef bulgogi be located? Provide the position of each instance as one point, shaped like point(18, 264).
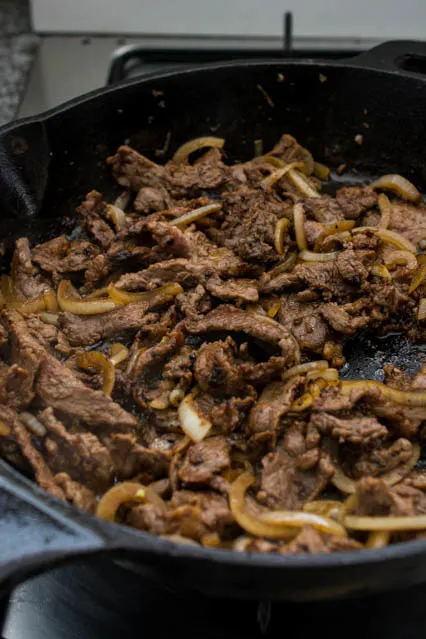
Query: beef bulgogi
point(174, 364)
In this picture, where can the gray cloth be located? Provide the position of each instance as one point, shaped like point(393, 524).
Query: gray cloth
point(17, 49)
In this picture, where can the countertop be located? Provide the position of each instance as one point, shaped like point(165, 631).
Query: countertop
point(17, 50)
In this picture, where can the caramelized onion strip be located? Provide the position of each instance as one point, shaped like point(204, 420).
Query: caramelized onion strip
point(385, 208)
point(399, 185)
point(301, 369)
point(310, 256)
point(299, 227)
point(197, 144)
point(192, 422)
point(405, 398)
point(418, 279)
point(196, 214)
point(123, 493)
point(97, 360)
point(299, 519)
point(388, 523)
point(302, 184)
point(280, 230)
point(121, 297)
point(391, 237)
point(68, 301)
point(378, 539)
point(398, 258)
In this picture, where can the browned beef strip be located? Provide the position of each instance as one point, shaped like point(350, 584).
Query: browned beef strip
point(356, 200)
point(207, 173)
point(76, 493)
point(93, 212)
point(204, 460)
point(131, 459)
point(60, 256)
point(382, 460)
point(46, 334)
point(310, 541)
point(305, 323)
point(81, 455)
point(272, 404)
point(376, 499)
point(355, 430)
point(341, 321)
point(150, 199)
point(59, 388)
point(284, 485)
point(27, 280)
point(216, 369)
point(265, 329)
point(322, 209)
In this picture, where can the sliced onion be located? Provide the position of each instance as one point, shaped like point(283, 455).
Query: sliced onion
point(405, 398)
point(270, 159)
point(50, 318)
point(310, 256)
point(302, 403)
point(421, 313)
point(399, 185)
point(378, 539)
point(299, 519)
point(391, 237)
point(96, 359)
point(329, 375)
point(272, 307)
point(269, 181)
point(50, 301)
point(33, 424)
point(302, 184)
point(5, 429)
point(418, 279)
point(321, 171)
point(385, 208)
point(280, 230)
point(11, 300)
point(301, 369)
point(197, 144)
point(100, 292)
point(397, 258)
point(119, 353)
point(176, 396)
point(116, 215)
point(250, 523)
point(325, 507)
point(69, 302)
point(299, 227)
point(196, 214)
point(258, 148)
point(193, 424)
point(380, 270)
point(388, 523)
point(242, 543)
point(123, 200)
point(285, 266)
point(309, 164)
point(123, 493)
point(121, 297)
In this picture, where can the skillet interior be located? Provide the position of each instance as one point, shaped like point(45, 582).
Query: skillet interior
point(49, 163)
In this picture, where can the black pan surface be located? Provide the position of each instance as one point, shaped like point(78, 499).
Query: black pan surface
point(369, 113)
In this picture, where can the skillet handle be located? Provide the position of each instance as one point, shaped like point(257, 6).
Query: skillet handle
point(37, 531)
point(400, 56)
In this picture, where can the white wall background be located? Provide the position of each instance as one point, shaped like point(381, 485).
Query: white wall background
point(377, 19)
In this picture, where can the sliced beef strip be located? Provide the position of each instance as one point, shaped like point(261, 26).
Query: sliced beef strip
point(60, 256)
point(340, 320)
point(206, 174)
point(132, 459)
point(354, 430)
point(46, 334)
point(323, 209)
point(273, 403)
point(59, 388)
point(284, 485)
point(76, 493)
point(382, 460)
point(264, 329)
point(81, 455)
point(93, 212)
point(308, 541)
point(204, 460)
point(195, 302)
point(216, 369)
point(133, 170)
point(355, 201)
point(376, 499)
point(27, 279)
point(305, 323)
point(150, 199)
point(262, 372)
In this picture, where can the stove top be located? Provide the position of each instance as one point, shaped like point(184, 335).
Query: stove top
point(83, 601)
point(68, 66)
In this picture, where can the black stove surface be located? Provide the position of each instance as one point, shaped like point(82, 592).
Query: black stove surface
point(103, 600)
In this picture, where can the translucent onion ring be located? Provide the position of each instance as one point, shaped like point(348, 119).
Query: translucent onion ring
point(301, 369)
point(299, 226)
point(321, 171)
point(33, 424)
point(329, 375)
point(302, 184)
point(310, 256)
point(125, 492)
point(118, 353)
point(399, 185)
point(122, 297)
point(405, 398)
point(197, 144)
point(193, 424)
point(280, 229)
point(380, 270)
point(388, 523)
point(397, 258)
point(302, 403)
point(116, 215)
point(273, 177)
point(69, 302)
point(299, 519)
point(96, 359)
point(50, 301)
point(251, 524)
point(418, 279)
point(196, 214)
point(378, 539)
point(325, 507)
point(385, 208)
point(391, 237)
point(333, 228)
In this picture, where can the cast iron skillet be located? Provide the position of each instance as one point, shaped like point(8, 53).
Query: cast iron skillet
point(49, 162)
